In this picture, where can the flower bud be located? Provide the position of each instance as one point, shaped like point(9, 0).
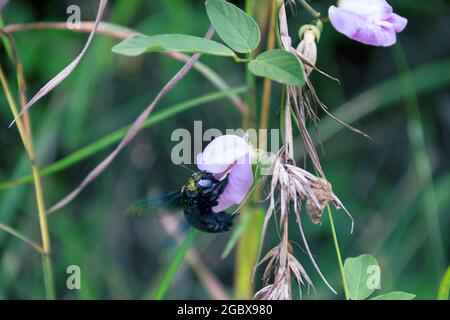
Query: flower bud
point(307, 47)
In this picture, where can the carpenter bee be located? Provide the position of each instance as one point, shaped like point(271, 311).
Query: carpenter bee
point(197, 197)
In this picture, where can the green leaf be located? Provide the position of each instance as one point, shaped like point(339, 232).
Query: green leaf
point(362, 275)
point(169, 273)
point(396, 295)
point(280, 66)
point(237, 232)
point(444, 288)
point(236, 28)
point(139, 44)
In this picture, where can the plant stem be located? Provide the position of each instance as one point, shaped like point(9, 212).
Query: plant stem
point(48, 277)
point(250, 79)
point(338, 253)
point(267, 85)
point(109, 139)
point(22, 237)
point(28, 144)
point(247, 247)
point(310, 9)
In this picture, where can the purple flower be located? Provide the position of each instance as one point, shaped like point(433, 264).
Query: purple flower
point(229, 155)
point(368, 21)
point(2, 4)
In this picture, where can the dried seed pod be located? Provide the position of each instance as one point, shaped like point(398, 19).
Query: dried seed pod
point(324, 195)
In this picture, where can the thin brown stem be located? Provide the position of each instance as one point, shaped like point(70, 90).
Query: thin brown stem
point(22, 237)
point(28, 144)
point(119, 32)
point(132, 132)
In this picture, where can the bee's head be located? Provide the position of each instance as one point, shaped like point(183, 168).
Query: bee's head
point(203, 179)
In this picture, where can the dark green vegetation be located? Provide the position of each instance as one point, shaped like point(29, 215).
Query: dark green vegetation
point(384, 182)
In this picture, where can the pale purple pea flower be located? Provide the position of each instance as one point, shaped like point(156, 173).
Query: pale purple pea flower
point(371, 22)
point(229, 155)
point(2, 4)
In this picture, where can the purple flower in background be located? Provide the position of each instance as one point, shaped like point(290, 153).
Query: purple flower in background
point(229, 155)
point(2, 4)
point(371, 22)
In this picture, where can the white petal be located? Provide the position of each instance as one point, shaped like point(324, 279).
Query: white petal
point(222, 152)
point(367, 8)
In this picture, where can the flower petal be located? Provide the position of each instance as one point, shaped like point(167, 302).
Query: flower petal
point(345, 21)
point(240, 179)
point(367, 8)
point(376, 36)
point(223, 152)
point(357, 28)
point(398, 22)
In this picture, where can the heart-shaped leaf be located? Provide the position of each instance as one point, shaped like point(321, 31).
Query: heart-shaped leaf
point(139, 44)
point(362, 275)
point(396, 295)
point(236, 28)
point(278, 65)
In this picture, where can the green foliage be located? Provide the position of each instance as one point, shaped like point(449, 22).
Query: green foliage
point(395, 295)
point(139, 44)
point(109, 139)
point(235, 235)
point(169, 274)
point(237, 29)
point(444, 288)
point(375, 179)
point(363, 276)
point(358, 272)
point(278, 65)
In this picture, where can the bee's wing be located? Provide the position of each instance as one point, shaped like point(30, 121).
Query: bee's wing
point(144, 207)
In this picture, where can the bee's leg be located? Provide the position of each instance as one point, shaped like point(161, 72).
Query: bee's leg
point(210, 196)
point(221, 185)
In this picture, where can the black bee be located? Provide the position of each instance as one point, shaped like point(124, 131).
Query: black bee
point(197, 197)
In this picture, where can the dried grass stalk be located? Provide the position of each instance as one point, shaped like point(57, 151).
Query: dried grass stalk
point(290, 186)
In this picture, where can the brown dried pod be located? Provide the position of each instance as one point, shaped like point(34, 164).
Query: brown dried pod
point(323, 192)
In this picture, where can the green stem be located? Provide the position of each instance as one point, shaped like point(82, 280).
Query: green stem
point(267, 84)
point(48, 277)
point(29, 148)
point(250, 78)
point(335, 240)
point(240, 60)
point(247, 247)
point(338, 253)
point(310, 9)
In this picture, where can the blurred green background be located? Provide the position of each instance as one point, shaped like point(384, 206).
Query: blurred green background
point(383, 182)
